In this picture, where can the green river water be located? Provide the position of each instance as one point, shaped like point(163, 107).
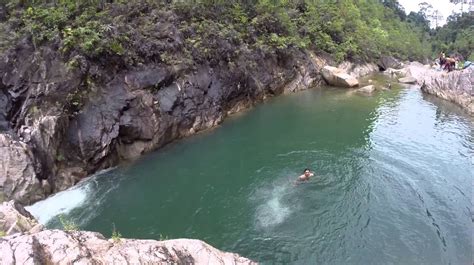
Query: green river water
point(393, 184)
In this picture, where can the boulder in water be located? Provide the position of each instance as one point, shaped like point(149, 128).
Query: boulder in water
point(366, 90)
point(337, 77)
point(407, 80)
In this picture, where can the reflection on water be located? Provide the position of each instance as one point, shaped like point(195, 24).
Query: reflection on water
point(392, 184)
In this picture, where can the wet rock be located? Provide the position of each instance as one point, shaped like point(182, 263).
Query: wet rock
point(407, 80)
point(386, 62)
point(337, 77)
point(15, 219)
point(18, 167)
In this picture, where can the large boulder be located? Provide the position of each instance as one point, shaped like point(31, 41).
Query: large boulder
point(358, 70)
point(386, 62)
point(18, 167)
point(338, 77)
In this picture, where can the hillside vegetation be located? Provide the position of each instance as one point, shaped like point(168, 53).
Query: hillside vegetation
point(347, 29)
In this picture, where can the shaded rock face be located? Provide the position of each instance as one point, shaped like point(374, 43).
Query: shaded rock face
point(70, 122)
point(25, 242)
point(386, 62)
point(338, 77)
point(456, 86)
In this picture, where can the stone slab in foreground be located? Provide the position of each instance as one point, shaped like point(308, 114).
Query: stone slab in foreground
point(81, 247)
point(27, 243)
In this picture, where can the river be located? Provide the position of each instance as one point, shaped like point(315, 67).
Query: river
point(393, 184)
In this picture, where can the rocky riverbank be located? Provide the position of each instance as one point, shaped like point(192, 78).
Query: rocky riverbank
point(456, 86)
point(24, 241)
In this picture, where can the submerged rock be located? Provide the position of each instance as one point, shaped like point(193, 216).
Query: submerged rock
point(366, 90)
point(407, 80)
point(337, 77)
point(27, 243)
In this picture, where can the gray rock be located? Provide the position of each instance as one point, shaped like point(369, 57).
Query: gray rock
point(407, 80)
point(358, 70)
point(337, 77)
point(386, 62)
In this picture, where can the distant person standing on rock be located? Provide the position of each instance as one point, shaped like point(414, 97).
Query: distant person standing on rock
point(442, 60)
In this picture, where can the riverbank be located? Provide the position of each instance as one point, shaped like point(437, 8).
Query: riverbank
point(24, 241)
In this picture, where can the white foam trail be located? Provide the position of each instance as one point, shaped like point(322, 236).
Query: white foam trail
point(274, 210)
point(60, 203)
point(65, 201)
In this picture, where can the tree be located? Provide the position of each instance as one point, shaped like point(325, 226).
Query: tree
point(436, 16)
point(462, 2)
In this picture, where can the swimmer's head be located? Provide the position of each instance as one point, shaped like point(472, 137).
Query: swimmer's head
point(307, 171)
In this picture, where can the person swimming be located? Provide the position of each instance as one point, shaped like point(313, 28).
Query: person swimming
point(307, 174)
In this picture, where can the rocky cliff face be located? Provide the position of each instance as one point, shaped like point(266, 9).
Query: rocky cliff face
point(65, 115)
point(27, 243)
point(456, 86)
point(60, 124)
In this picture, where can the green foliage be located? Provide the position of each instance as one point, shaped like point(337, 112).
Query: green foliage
point(116, 236)
point(347, 29)
point(2, 233)
point(68, 225)
point(163, 237)
point(43, 23)
point(456, 37)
